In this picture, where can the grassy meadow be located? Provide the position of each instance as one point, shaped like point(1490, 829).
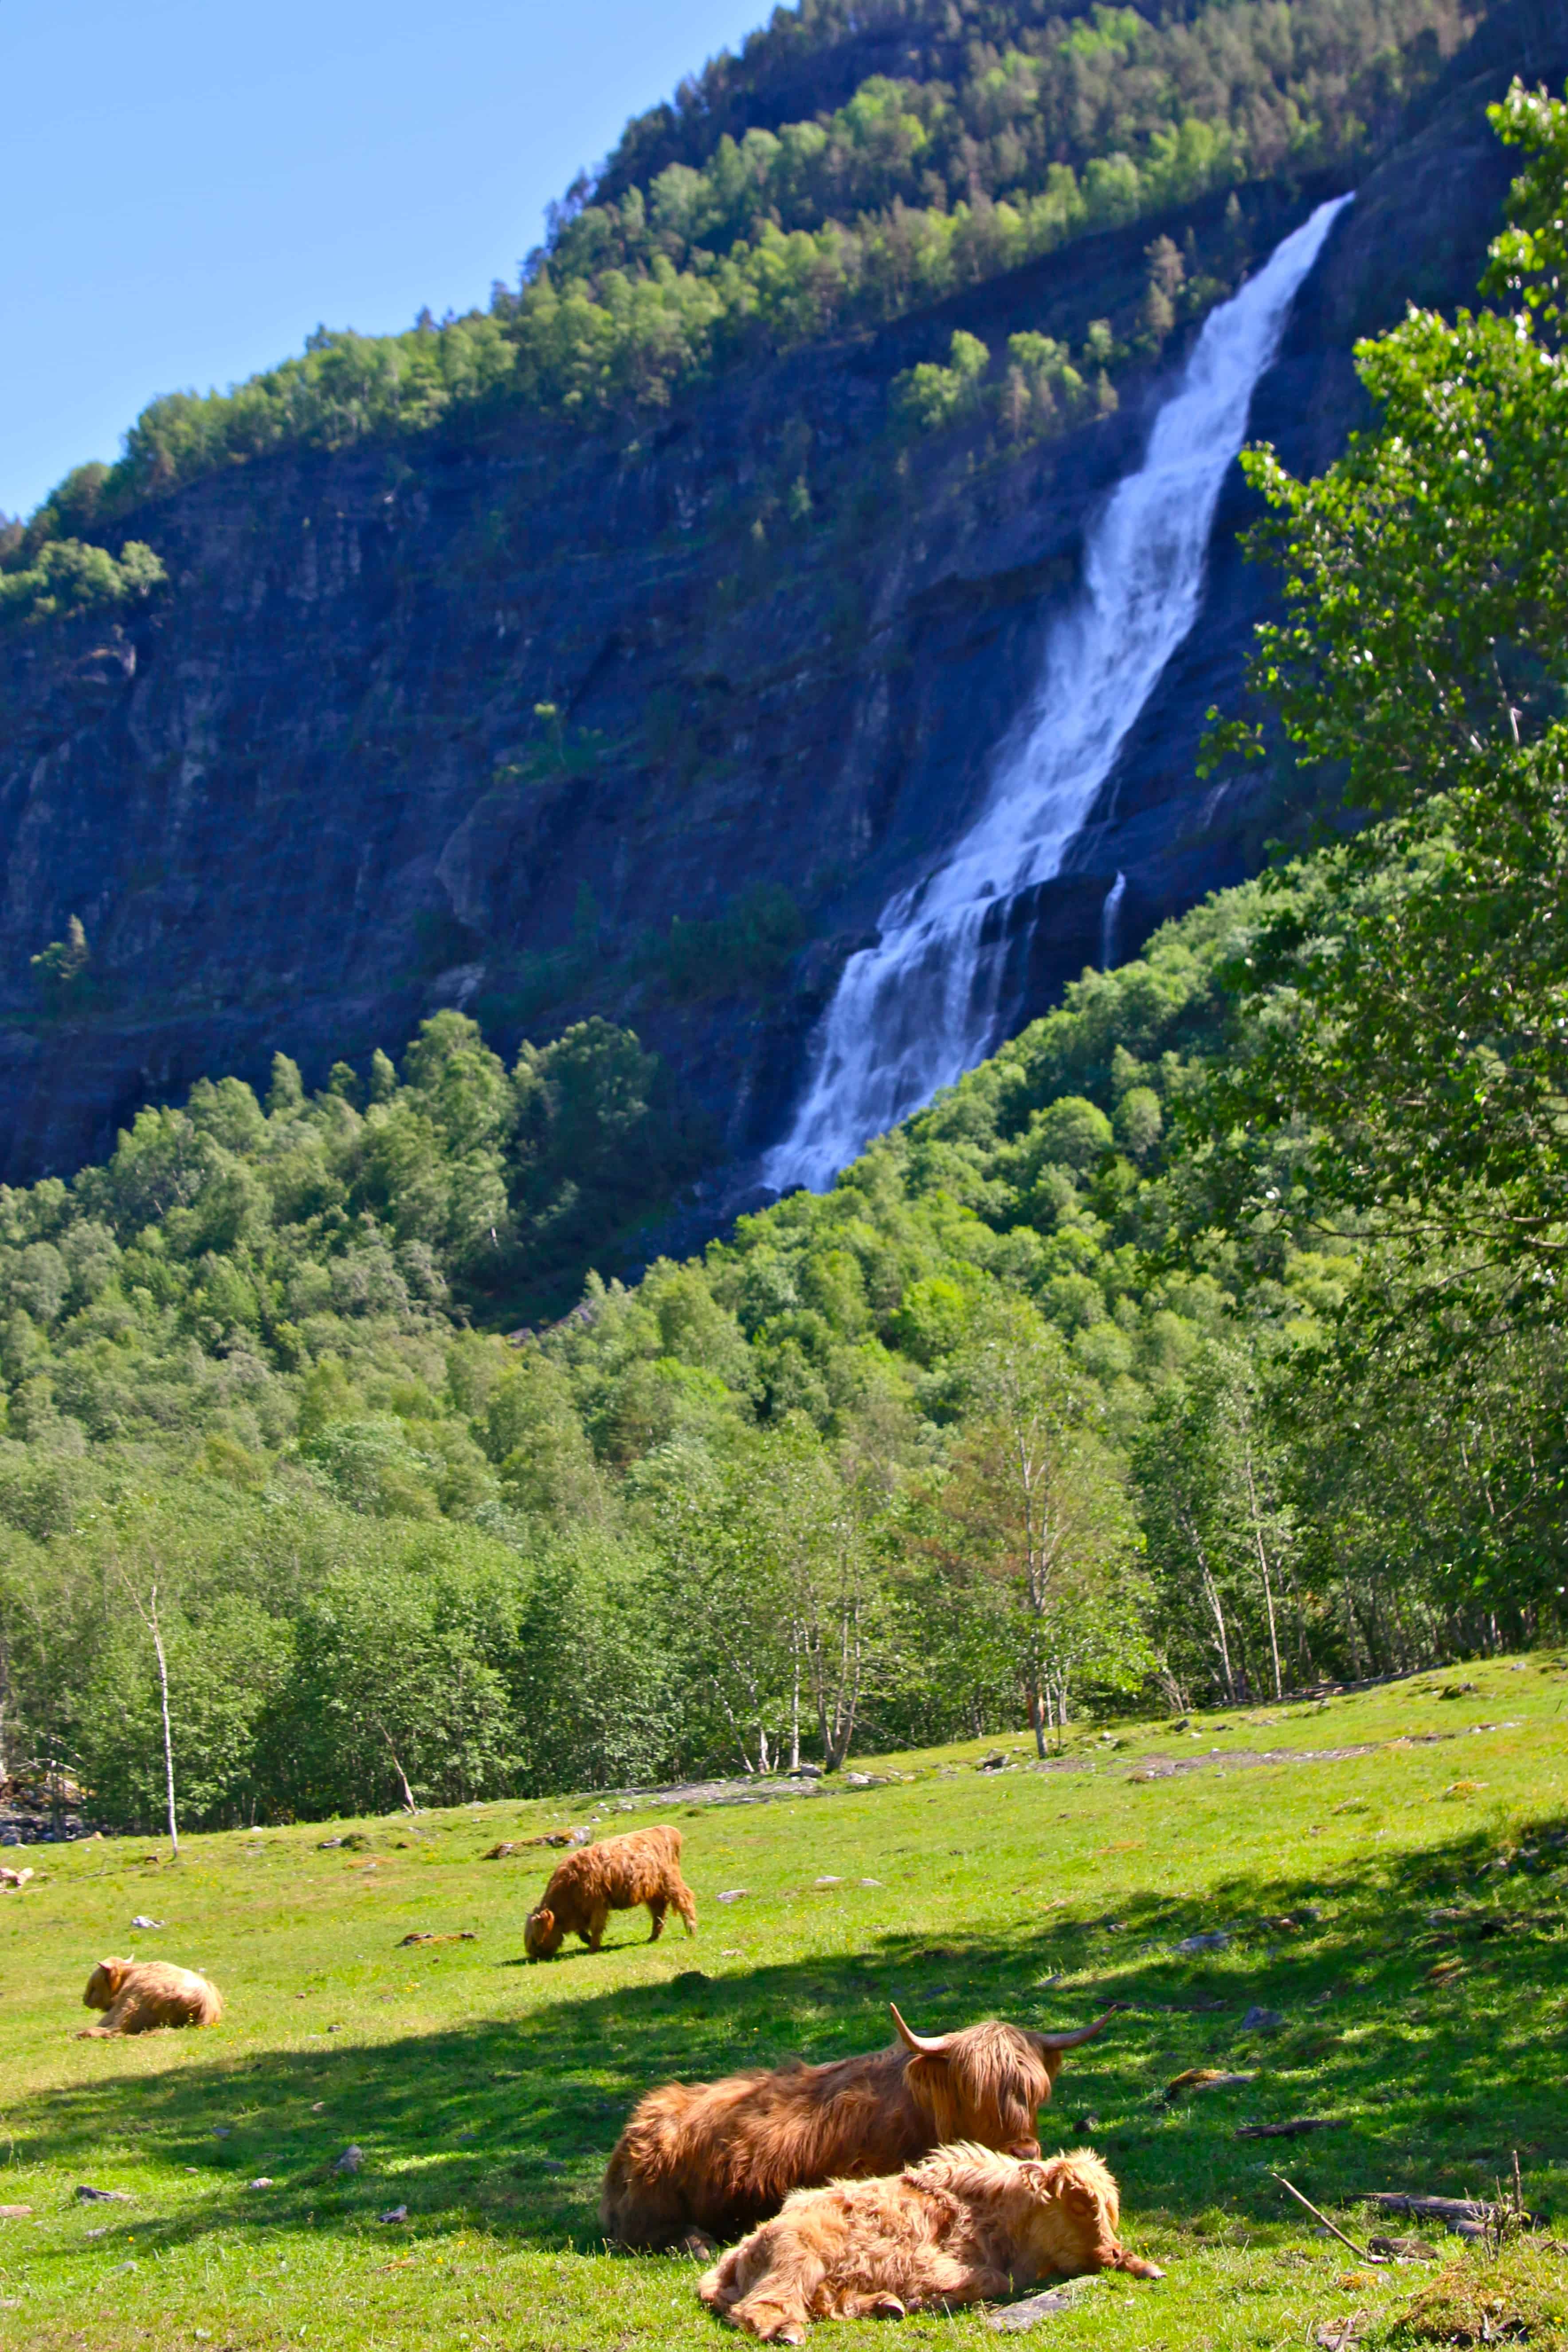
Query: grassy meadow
point(1405, 1911)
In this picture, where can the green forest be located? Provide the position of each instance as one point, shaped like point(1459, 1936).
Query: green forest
point(1204, 1343)
point(723, 231)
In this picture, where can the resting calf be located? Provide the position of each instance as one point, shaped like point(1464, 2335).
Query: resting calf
point(140, 1995)
point(643, 1867)
point(965, 2226)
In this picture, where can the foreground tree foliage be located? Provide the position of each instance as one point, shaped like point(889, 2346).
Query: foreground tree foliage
point(1406, 1059)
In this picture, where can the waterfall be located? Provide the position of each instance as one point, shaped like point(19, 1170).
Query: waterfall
point(920, 1008)
point(1109, 916)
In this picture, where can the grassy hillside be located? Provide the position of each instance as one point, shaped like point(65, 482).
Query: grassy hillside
point(1421, 1995)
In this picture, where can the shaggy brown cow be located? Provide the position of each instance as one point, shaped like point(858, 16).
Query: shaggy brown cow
point(717, 2157)
point(140, 1995)
point(966, 2224)
point(644, 1866)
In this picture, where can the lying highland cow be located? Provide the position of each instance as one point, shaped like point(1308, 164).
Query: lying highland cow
point(965, 2225)
point(715, 2158)
point(644, 1866)
point(142, 1996)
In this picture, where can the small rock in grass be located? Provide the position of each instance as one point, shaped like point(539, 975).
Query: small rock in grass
point(1334, 2334)
point(352, 2159)
point(870, 1881)
point(86, 2196)
point(264, 2181)
point(829, 1880)
point(1215, 1941)
point(142, 1920)
point(1050, 2304)
point(1087, 2123)
point(550, 2164)
point(96, 2234)
point(16, 2212)
point(394, 2213)
point(733, 1894)
point(1261, 2021)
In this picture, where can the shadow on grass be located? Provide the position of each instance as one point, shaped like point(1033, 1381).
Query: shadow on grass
point(505, 2124)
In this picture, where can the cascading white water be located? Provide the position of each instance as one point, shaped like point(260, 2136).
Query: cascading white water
point(1110, 917)
point(920, 1008)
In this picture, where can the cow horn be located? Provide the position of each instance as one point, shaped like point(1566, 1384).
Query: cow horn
point(926, 2045)
point(1084, 2034)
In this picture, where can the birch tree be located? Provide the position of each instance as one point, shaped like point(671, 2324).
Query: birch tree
point(1036, 1497)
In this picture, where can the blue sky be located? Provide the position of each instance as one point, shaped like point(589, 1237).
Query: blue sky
point(192, 187)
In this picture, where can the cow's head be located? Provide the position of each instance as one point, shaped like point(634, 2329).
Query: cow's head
point(103, 1985)
point(541, 1935)
point(988, 2083)
point(1081, 2187)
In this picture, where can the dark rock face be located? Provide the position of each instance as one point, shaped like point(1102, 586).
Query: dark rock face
point(310, 794)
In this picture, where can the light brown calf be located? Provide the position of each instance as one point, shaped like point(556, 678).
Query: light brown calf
point(643, 1867)
point(718, 2158)
point(965, 2226)
point(140, 1995)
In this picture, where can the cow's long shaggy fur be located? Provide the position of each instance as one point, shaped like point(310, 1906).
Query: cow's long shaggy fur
point(721, 2157)
point(643, 1867)
point(964, 2225)
point(141, 1996)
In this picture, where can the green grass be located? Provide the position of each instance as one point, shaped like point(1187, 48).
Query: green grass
point(485, 2094)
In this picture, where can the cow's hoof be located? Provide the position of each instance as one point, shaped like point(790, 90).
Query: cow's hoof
point(698, 2245)
point(887, 2306)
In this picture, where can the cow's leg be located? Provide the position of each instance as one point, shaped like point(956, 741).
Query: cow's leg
point(773, 2318)
point(875, 2304)
point(946, 2279)
point(597, 1919)
point(687, 1908)
point(657, 1906)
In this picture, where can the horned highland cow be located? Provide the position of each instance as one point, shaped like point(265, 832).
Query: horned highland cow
point(143, 1996)
point(715, 2158)
point(965, 2225)
point(643, 1867)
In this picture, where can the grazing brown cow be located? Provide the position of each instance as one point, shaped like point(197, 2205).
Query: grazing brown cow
point(140, 1995)
point(644, 1866)
point(965, 2225)
point(717, 2157)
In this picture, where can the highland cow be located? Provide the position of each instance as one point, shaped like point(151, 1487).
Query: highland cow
point(143, 1996)
point(644, 1866)
point(965, 2226)
point(714, 2159)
